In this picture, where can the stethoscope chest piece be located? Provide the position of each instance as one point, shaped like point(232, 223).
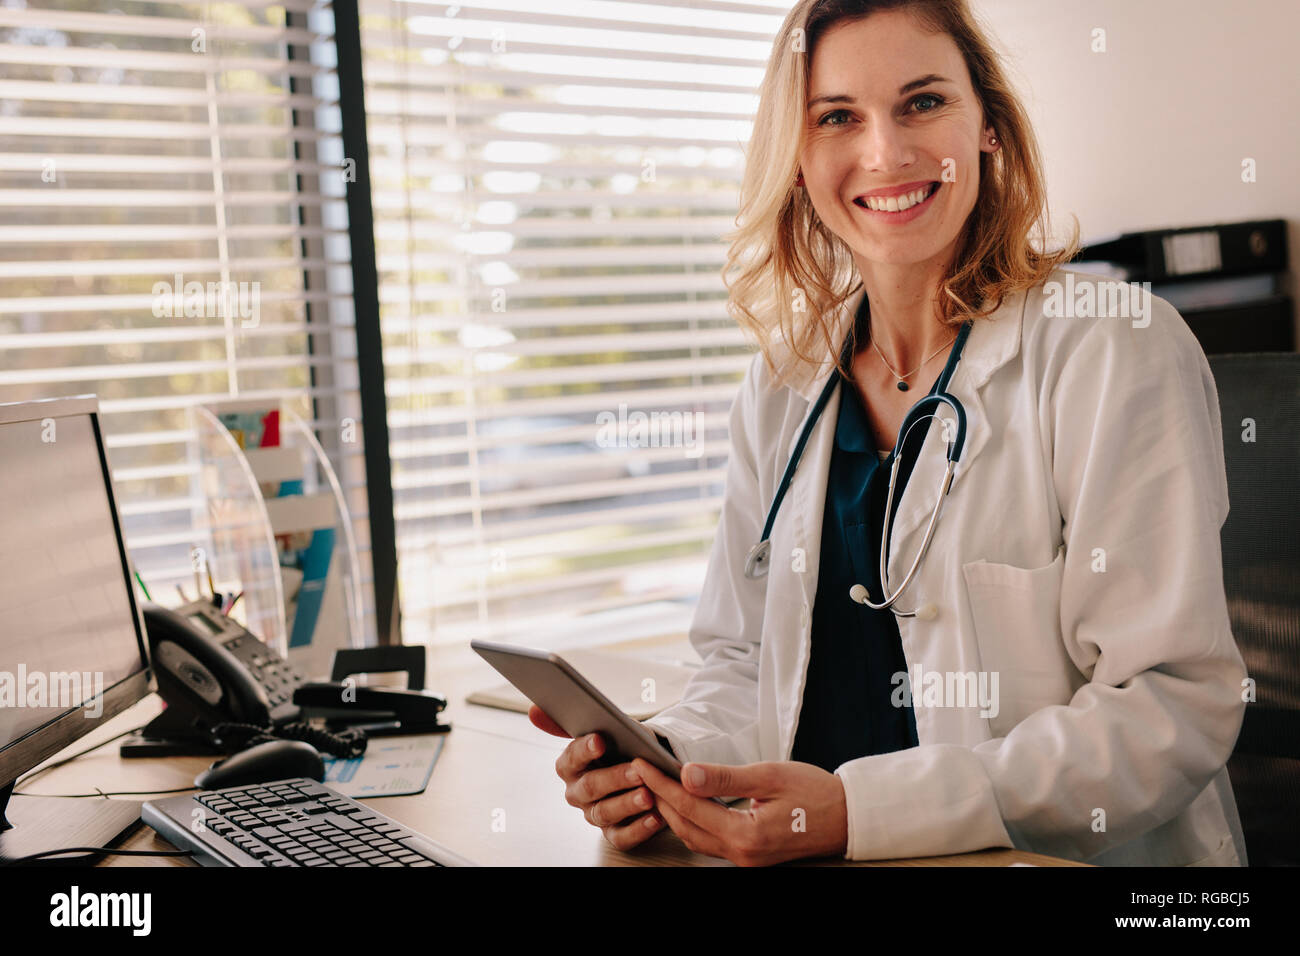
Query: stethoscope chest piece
point(757, 561)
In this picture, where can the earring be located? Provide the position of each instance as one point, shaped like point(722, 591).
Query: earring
point(993, 140)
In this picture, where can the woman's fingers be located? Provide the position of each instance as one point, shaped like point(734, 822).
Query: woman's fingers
point(634, 832)
point(542, 722)
point(610, 798)
point(616, 809)
point(590, 786)
point(580, 752)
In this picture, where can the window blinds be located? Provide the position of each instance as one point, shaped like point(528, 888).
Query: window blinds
point(152, 146)
point(551, 182)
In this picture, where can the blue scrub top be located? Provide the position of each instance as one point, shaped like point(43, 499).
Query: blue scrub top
point(847, 710)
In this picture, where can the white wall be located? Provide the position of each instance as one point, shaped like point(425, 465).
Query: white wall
point(1152, 133)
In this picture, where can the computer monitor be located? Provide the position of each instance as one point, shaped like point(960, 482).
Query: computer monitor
point(72, 649)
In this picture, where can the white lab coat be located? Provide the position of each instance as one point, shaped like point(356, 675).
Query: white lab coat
point(1120, 690)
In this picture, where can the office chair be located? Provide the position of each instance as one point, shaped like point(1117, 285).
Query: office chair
point(1261, 569)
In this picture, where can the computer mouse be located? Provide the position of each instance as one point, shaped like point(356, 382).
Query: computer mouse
point(263, 763)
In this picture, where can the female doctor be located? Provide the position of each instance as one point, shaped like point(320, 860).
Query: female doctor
point(1043, 660)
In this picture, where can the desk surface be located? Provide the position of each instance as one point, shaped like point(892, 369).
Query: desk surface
point(494, 796)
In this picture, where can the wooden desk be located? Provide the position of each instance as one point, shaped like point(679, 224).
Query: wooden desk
point(495, 768)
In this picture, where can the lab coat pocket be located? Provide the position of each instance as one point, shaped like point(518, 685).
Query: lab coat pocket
point(1017, 614)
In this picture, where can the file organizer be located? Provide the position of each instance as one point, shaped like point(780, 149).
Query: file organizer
point(276, 528)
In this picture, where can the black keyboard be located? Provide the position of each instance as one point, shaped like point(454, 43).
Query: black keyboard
point(289, 823)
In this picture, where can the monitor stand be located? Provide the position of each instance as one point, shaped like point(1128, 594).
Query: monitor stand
point(32, 824)
point(171, 734)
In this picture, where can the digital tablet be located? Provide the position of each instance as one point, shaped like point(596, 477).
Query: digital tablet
point(570, 700)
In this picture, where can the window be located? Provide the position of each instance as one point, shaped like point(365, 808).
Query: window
point(153, 146)
point(551, 184)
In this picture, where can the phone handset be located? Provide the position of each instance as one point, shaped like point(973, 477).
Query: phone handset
point(196, 669)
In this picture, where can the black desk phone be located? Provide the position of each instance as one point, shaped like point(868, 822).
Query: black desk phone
point(225, 688)
point(210, 670)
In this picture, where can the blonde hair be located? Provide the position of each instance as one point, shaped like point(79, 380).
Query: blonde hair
point(781, 249)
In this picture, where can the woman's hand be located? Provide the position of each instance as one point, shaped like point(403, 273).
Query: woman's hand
point(611, 798)
point(796, 810)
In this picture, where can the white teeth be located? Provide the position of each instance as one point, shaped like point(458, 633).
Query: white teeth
point(898, 203)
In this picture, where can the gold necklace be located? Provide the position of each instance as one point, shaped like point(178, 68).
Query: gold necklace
point(902, 379)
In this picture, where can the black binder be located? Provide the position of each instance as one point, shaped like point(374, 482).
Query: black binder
point(1224, 279)
point(1226, 249)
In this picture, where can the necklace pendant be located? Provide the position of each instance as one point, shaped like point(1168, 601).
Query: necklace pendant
point(902, 386)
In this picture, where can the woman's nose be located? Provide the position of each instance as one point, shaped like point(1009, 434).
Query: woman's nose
point(884, 147)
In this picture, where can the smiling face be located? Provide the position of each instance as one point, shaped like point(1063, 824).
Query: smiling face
point(890, 107)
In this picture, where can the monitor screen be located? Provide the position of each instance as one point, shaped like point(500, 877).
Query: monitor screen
point(67, 619)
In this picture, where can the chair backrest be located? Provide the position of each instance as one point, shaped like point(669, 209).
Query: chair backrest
point(1259, 396)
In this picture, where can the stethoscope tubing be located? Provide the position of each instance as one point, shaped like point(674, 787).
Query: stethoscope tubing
point(758, 559)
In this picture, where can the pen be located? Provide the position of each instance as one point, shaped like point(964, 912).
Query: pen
point(140, 581)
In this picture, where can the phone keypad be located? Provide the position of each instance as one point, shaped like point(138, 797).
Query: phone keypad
point(277, 676)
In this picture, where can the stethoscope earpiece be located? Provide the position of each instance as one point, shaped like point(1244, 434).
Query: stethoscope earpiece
point(757, 560)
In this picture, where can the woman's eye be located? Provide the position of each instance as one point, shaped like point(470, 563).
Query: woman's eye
point(938, 101)
point(833, 115)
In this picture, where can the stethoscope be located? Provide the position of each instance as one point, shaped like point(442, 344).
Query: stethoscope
point(756, 563)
